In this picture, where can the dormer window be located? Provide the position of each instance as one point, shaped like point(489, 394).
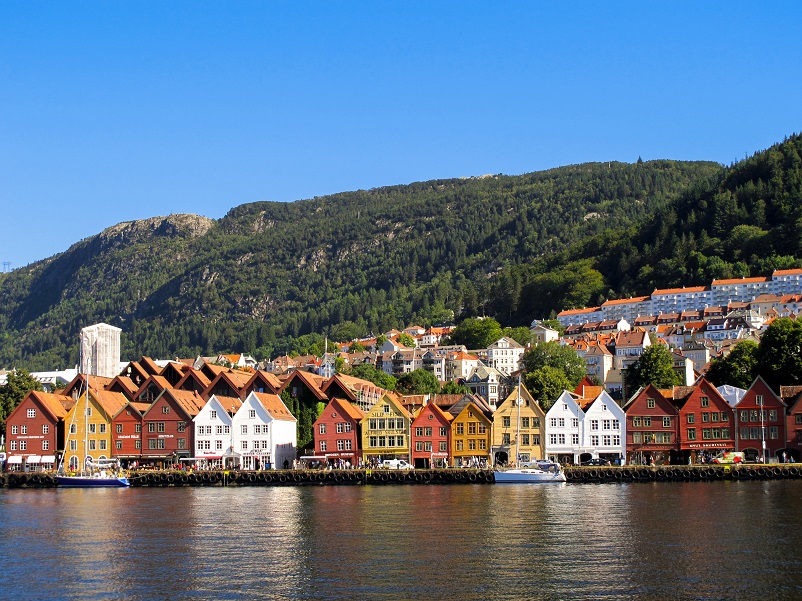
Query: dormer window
point(212, 414)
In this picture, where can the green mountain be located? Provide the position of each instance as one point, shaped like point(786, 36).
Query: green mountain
point(514, 247)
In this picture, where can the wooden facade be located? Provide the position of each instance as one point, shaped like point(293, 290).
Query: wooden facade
point(431, 437)
point(652, 428)
point(337, 435)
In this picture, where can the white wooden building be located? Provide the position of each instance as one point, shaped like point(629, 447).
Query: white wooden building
point(264, 432)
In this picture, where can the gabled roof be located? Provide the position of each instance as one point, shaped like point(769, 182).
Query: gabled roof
point(111, 402)
point(188, 401)
point(80, 382)
point(274, 406)
point(312, 381)
point(230, 404)
point(57, 405)
point(345, 406)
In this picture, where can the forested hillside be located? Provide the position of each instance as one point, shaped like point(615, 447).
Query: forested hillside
point(514, 247)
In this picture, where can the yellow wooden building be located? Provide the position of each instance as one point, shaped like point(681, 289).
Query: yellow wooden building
point(88, 426)
point(470, 436)
point(527, 419)
point(385, 431)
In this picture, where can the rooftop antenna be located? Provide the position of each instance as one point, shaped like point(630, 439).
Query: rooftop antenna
point(6, 266)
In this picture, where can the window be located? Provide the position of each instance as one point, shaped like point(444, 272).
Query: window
point(321, 429)
point(606, 424)
point(119, 428)
point(348, 445)
point(442, 431)
point(218, 445)
point(525, 422)
point(382, 423)
point(73, 429)
point(774, 432)
point(443, 446)
point(459, 445)
point(382, 441)
point(212, 414)
point(165, 409)
point(137, 444)
point(45, 429)
point(704, 401)
point(419, 446)
point(102, 428)
point(92, 429)
point(244, 445)
point(724, 417)
point(460, 429)
point(23, 445)
point(505, 438)
point(252, 413)
point(606, 440)
point(182, 443)
point(472, 428)
point(666, 422)
point(102, 445)
point(650, 403)
point(73, 445)
point(616, 425)
point(427, 446)
point(138, 428)
point(647, 422)
point(257, 429)
point(244, 429)
point(160, 427)
point(340, 427)
point(152, 427)
point(226, 429)
point(705, 416)
point(92, 445)
point(552, 439)
point(428, 432)
point(637, 438)
point(119, 445)
point(347, 426)
point(744, 415)
point(182, 426)
point(574, 439)
point(754, 433)
point(691, 418)
point(759, 400)
point(505, 422)
point(31, 412)
point(386, 408)
point(594, 440)
point(772, 415)
point(594, 424)
point(636, 422)
point(691, 433)
point(471, 444)
point(561, 438)
point(14, 445)
point(45, 445)
point(706, 435)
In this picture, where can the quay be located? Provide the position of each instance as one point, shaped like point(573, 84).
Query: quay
point(574, 475)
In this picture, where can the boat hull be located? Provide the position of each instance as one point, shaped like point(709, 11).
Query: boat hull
point(88, 482)
point(524, 476)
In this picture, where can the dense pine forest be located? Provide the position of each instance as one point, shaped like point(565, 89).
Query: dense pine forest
point(269, 277)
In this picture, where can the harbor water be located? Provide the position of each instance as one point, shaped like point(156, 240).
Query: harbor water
point(659, 540)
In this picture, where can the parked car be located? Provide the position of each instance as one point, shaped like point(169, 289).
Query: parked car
point(596, 461)
point(396, 464)
point(729, 457)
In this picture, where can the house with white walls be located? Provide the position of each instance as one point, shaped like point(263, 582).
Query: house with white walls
point(604, 431)
point(264, 432)
point(213, 437)
point(563, 427)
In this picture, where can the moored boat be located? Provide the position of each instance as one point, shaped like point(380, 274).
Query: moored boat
point(93, 481)
point(542, 474)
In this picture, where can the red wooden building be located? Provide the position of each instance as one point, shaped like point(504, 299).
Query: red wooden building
point(167, 429)
point(431, 437)
point(126, 431)
point(35, 431)
point(759, 420)
point(336, 431)
point(706, 419)
point(652, 429)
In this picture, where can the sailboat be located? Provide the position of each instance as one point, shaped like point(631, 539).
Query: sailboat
point(540, 472)
point(95, 473)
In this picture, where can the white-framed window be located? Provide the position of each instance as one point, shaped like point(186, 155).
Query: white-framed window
point(244, 429)
point(594, 440)
point(340, 427)
point(212, 414)
point(23, 445)
point(321, 428)
point(257, 428)
point(347, 426)
point(31, 412)
point(323, 446)
point(218, 445)
point(252, 413)
point(13, 445)
point(45, 445)
point(23, 429)
point(244, 445)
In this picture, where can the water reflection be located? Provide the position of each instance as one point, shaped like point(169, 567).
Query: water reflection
point(719, 540)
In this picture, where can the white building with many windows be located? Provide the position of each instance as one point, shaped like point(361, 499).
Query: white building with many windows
point(213, 437)
point(264, 432)
point(604, 431)
point(563, 428)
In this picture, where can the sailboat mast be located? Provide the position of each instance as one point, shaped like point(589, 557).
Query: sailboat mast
point(518, 425)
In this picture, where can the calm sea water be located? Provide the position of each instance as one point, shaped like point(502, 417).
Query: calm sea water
point(717, 540)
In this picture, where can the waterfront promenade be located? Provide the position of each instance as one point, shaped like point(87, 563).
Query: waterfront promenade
point(574, 475)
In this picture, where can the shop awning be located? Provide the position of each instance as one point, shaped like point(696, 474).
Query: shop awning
point(48, 458)
point(33, 459)
point(14, 459)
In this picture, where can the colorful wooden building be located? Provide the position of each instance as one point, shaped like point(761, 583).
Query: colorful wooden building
point(471, 435)
point(337, 435)
point(431, 437)
point(760, 423)
point(706, 425)
point(385, 431)
point(518, 428)
point(652, 428)
point(35, 431)
point(167, 432)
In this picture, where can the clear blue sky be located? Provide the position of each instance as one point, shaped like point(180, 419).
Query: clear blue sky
point(114, 111)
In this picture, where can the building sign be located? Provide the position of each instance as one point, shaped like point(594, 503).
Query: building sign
point(710, 445)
